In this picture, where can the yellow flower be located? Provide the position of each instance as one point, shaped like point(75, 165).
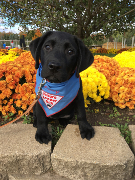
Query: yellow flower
point(126, 59)
point(102, 93)
point(94, 96)
point(98, 99)
point(106, 96)
point(94, 84)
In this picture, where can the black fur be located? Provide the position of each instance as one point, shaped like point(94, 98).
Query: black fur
point(60, 54)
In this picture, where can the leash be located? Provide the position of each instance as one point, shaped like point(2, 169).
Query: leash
point(32, 104)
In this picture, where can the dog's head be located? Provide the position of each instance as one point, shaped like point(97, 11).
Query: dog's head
point(60, 54)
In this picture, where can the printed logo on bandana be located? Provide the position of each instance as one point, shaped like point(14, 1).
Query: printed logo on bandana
point(50, 99)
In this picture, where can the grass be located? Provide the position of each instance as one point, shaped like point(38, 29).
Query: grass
point(125, 132)
point(103, 54)
point(8, 118)
point(115, 113)
point(27, 119)
point(56, 134)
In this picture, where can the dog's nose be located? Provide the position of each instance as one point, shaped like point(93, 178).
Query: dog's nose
point(53, 66)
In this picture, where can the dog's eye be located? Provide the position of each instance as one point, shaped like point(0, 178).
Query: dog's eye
point(47, 47)
point(70, 51)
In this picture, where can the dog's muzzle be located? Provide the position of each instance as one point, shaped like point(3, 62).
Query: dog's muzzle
point(54, 66)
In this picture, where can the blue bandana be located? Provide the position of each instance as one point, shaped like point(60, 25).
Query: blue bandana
point(56, 96)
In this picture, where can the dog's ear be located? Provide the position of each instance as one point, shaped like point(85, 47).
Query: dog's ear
point(85, 58)
point(36, 45)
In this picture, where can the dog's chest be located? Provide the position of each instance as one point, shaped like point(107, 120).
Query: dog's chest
point(57, 96)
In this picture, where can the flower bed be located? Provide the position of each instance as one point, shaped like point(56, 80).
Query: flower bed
point(111, 51)
point(17, 81)
point(95, 85)
point(10, 55)
point(126, 59)
point(120, 79)
point(121, 50)
point(102, 50)
point(107, 77)
point(106, 65)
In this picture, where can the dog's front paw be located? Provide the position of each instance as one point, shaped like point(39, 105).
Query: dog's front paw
point(43, 138)
point(86, 130)
point(35, 122)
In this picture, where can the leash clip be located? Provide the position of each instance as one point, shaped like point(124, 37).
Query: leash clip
point(40, 88)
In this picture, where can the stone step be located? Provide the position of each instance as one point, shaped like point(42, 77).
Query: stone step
point(20, 153)
point(132, 129)
point(107, 156)
point(50, 175)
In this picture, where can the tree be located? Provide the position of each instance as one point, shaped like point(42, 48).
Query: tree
point(37, 34)
point(78, 17)
point(30, 34)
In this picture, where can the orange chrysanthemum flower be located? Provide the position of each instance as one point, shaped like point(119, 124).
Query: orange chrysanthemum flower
point(4, 101)
point(18, 103)
point(14, 96)
point(122, 96)
point(12, 109)
point(20, 112)
point(18, 74)
point(19, 96)
point(2, 95)
point(4, 113)
point(7, 108)
point(11, 85)
point(115, 97)
point(121, 105)
point(8, 92)
point(32, 97)
point(17, 88)
point(16, 79)
point(10, 102)
point(2, 85)
point(24, 107)
point(34, 78)
point(9, 78)
point(0, 107)
point(25, 97)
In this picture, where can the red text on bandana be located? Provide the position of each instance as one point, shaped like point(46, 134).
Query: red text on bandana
point(50, 99)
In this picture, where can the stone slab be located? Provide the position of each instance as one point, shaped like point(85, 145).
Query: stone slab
point(107, 156)
point(20, 153)
point(132, 129)
point(4, 175)
point(49, 175)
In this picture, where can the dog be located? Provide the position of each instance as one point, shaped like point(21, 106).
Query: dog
point(63, 56)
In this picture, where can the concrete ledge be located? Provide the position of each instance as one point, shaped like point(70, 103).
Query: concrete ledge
point(132, 129)
point(20, 153)
point(3, 175)
point(106, 156)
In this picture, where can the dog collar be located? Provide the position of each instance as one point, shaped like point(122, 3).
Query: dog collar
point(56, 96)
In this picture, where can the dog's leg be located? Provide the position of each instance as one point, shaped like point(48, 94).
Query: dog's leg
point(86, 130)
point(34, 116)
point(64, 122)
point(42, 134)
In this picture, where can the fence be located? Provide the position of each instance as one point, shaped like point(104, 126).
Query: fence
point(107, 45)
point(16, 43)
point(118, 45)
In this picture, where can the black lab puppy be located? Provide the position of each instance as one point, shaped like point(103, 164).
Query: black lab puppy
point(63, 57)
